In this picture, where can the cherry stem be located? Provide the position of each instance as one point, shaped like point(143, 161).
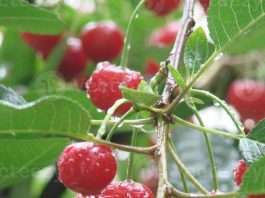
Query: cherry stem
point(222, 104)
point(162, 142)
point(207, 130)
point(183, 177)
point(209, 147)
point(186, 171)
point(120, 121)
point(125, 122)
point(111, 111)
point(131, 158)
point(124, 57)
point(183, 92)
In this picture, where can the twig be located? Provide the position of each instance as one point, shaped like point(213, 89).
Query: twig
point(177, 51)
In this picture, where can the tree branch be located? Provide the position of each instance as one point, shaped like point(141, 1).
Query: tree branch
point(175, 56)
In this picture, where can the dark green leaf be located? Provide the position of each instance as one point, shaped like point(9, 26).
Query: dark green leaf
point(20, 159)
point(23, 16)
point(258, 132)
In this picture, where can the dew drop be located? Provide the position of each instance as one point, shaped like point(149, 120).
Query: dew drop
point(99, 110)
point(12, 133)
point(136, 16)
point(217, 104)
point(219, 56)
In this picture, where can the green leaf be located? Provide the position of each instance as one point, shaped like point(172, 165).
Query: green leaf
point(74, 94)
point(197, 50)
point(8, 95)
point(52, 115)
point(252, 148)
point(177, 76)
point(18, 59)
point(237, 25)
point(20, 159)
point(144, 95)
point(253, 180)
point(20, 15)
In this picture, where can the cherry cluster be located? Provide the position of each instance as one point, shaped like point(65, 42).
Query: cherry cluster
point(98, 41)
point(89, 169)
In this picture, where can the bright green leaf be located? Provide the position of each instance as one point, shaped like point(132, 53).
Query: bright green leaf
point(20, 15)
point(142, 96)
point(50, 115)
point(197, 50)
point(253, 180)
point(237, 23)
point(20, 159)
point(177, 76)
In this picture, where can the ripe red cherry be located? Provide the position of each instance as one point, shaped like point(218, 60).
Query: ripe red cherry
point(126, 189)
point(41, 43)
point(87, 168)
point(102, 41)
point(74, 60)
point(205, 4)
point(103, 86)
point(247, 96)
point(152, 67)
point(239, 172)
point(162, 7)
point(166, 35)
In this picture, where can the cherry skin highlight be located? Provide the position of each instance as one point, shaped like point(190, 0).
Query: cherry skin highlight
point(162, 7)
point(103, 86)
point(126, 189)
point(87, 168)
point(74, 60)
point(41, 43)
point(102, 41)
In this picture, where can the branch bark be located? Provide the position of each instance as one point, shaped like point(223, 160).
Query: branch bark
point(176, 53)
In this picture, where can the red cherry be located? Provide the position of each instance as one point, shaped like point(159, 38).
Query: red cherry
point(74, 60)
point(162, 7)
point(102, 41)
point(247, 96)
point(166, 35)
point(126, 189)
point(205, 4)
point(103, 86)
point(41, 43)
point(152, 67)
point(239, 171)
point(87, 168)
